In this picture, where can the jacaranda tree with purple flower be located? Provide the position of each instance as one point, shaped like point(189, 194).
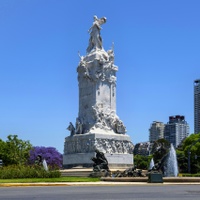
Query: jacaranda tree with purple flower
point(50, 154)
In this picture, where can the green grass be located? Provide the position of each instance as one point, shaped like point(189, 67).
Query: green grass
point(39, 180)
point(190, 175)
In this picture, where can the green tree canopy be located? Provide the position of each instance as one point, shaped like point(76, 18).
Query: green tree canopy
point(142, 162)
point(14, 150)
point(2, 147)
point(190, 145)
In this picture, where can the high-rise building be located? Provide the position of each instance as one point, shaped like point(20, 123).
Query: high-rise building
point(176, 130)
point(156, 131)
point(197, 106)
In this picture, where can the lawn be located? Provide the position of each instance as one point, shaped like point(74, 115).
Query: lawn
point(40, 180)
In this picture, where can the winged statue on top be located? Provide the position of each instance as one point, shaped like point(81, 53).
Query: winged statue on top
point(95, 41)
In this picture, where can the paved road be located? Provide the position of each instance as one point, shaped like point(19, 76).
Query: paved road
point(139, 192)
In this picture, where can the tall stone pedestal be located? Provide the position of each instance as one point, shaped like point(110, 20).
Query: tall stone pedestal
point(79, 149)
point(97, 125)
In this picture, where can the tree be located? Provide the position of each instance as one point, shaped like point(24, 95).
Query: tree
point(182, 161)
point(191, 145)
point(142, 162)
point(2, 150)
point(14, 150)
point(50, 154)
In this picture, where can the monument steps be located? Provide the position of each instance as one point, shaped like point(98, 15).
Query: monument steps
point(82, 172)
point(76, 172)
point(85, 172)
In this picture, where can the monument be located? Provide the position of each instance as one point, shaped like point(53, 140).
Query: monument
point(97, 125)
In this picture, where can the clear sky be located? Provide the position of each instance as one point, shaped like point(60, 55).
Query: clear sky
point(157, 50)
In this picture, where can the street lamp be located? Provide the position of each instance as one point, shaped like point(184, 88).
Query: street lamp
point(189, 168)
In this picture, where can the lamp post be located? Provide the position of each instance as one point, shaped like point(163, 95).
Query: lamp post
point(189, 168)
point(20, 154)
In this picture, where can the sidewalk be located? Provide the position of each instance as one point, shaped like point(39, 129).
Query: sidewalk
point(100, 183)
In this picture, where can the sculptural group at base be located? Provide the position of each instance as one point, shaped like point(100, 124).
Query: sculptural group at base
point(100, 165)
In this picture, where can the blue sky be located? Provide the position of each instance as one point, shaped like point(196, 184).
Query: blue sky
point(157, 50)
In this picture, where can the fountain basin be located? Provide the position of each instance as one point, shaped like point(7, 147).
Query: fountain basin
point(145, 179)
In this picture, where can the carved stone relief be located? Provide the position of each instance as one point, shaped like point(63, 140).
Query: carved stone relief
point(104, 145)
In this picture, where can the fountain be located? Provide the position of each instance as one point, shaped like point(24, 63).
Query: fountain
point(167, 167)
point(44, 163)
point(171, 165)
point(151, 165)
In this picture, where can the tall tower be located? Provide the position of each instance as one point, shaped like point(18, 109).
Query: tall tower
point(197, 106)
point(97, 125)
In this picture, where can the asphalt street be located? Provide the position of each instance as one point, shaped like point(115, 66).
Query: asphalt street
point(115, 192)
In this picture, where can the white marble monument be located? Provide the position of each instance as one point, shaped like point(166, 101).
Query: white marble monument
point(97, 125)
